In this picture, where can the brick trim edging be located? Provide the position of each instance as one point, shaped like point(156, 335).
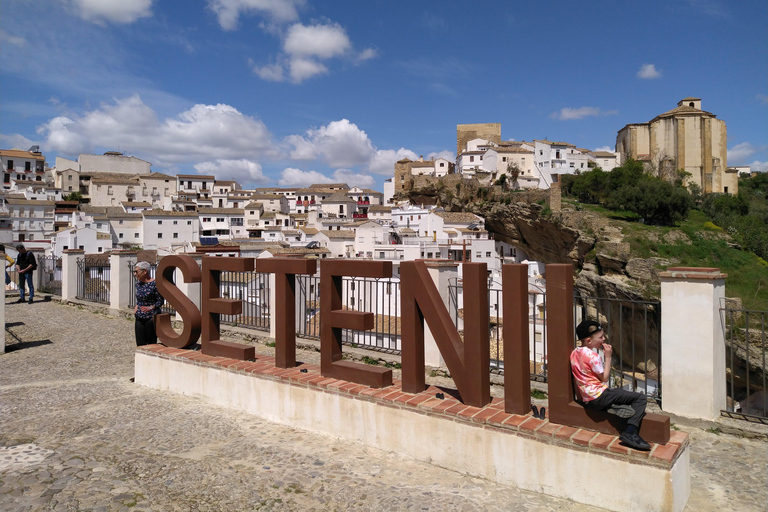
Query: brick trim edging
point(491, 417)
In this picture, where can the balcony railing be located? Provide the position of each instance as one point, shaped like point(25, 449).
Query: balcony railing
point(359, 215)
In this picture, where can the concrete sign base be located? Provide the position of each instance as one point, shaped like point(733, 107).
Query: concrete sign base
point(486, 442)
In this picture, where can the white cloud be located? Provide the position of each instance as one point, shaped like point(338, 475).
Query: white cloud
point(270, 72)
point(353, 179)
point(740, 152)
point(301, 69)
point(229, 11)
point(242, 170)
point(114, 11)
point(10, 39)
point(367, 54)
point(201, 133)
point(648, 71)
point(568, 113)
point(16, 140)
point(293, 177)
point(383, 161)
point(448, 155)
point(762, 98)
point(322, 41)
point(339, 144)
point(758, 166)
point(604, 148)
point(307, 49)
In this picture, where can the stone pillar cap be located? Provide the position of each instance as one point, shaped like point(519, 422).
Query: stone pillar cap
point(437, 263)
point(693, 273)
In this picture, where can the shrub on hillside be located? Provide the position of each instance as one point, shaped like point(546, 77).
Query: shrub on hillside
point(655, 200)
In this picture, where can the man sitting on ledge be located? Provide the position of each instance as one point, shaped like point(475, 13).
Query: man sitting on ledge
point(591, 375)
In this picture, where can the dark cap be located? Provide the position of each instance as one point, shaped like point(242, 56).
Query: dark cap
point(587, 328)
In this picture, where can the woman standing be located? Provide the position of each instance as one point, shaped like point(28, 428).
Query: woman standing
point(148, 303)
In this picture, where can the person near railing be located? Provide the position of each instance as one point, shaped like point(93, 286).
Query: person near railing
point(25, 265)
point(10, 261)
point(148, 303)
point(591, 375)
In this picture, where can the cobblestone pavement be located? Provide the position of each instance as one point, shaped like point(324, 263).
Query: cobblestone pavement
point(78, 435)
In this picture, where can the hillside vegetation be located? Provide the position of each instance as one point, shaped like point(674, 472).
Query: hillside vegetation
point(662, 224)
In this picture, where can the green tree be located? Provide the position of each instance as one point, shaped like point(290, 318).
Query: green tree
point(74, 196)
point(653, 199)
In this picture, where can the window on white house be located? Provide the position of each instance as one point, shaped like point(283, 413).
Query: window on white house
point(159, 235)
point(175, 235)
point(120, 235)
point(159, 222)
point(135, 235)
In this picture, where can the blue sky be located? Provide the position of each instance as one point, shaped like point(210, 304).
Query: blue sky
point(293, 92)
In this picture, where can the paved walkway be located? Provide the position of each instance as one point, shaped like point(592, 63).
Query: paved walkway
point(78, 435)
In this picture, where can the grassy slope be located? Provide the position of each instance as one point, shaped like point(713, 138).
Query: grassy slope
point(704, 246)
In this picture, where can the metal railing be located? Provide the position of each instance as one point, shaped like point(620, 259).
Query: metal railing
point(252, 288)
point(93, 280)
point(536, 326)
point(745, 358)
point(378, 296)
point(132, 298)
point(633, 329)
point(49, 268)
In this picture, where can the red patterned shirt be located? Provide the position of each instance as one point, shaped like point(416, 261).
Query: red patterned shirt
point(587, 368)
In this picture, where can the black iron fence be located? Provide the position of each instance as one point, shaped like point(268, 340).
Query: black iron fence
point(93, 280)
point(745, 358)
point(132, 300)
point(378, 296)
point(633, 328)
point(252, 288)
point(49, 274)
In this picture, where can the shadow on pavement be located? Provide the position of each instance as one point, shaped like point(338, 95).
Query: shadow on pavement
point(26, 344)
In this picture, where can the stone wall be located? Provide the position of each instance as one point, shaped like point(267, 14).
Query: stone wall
point(467, 132)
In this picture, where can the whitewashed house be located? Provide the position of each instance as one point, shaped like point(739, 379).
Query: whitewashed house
point(169, 231)
point(223, 223)
point(22, 166)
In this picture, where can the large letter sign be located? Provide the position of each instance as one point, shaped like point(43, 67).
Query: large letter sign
point(468, 360)
point(180, 302)
point(284, 309)
point(333, 319)
point(214, 306)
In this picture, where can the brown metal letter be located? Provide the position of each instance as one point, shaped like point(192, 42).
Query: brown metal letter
point(333, 319)
point(468, 360)
point(563, 408)
point(284, 309)
point(180, 302)
point(213, 306)
point(517, 372)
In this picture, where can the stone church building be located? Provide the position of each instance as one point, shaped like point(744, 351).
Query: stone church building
point(687, 138)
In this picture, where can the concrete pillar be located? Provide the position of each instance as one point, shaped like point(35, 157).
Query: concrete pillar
point(192, 290)
point(70, 273)
point(37, 275)
point(2, 305)
point(693, 342)
point(120, 289)
point(441, 272)
point(272, 306)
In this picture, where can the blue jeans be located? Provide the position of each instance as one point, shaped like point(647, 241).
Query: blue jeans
point(26, 277)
